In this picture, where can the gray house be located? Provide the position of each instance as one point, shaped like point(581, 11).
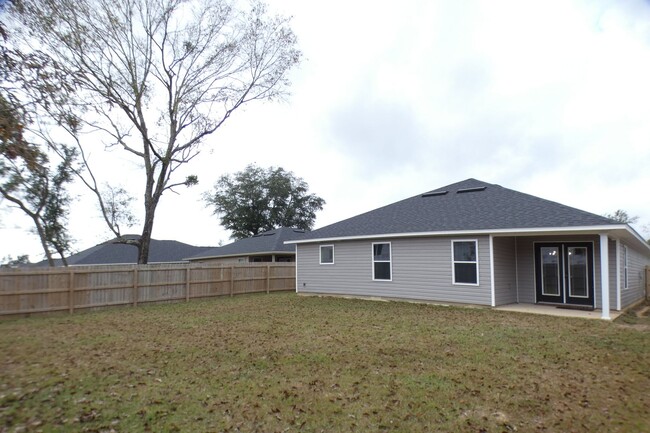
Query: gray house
point(477, 243)
point(268, 246)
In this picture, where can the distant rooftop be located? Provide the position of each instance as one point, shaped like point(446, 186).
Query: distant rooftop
point(113, 252)
point(269, 242)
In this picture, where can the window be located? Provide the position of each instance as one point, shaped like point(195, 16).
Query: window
point(381, 265)
point(625, 286)
point(464, 262)
point(327, 254)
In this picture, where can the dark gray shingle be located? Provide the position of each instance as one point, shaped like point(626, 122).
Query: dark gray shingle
point(111, 252)
point(491, 208)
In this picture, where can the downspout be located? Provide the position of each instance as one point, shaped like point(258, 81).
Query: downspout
point(296, 262)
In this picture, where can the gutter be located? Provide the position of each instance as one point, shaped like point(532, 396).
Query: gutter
point(496, 232)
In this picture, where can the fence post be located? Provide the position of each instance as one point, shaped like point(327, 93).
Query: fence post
point(187, 283)
point(71, 293)
point(268, 275)
point(232, 280)
point(135, 286)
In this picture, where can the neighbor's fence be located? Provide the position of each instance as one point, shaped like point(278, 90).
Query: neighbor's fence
point(74, 288)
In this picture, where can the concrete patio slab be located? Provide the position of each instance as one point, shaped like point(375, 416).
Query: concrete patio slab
point(551, 310)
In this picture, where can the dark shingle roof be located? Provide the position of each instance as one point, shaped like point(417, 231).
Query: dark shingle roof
point(271, 241)
point(110, 252)
point(467, 205)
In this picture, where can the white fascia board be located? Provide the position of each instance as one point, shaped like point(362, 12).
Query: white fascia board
point(637, 236)
point(496, 232)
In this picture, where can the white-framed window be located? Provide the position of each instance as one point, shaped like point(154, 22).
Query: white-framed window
point(625, 279)
point(327, 254)
point(464, 262)
point(381, 261)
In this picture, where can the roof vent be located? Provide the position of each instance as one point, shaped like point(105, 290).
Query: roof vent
point(478, 188)
point(434, 193)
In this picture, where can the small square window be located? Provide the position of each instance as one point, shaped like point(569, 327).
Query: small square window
point(327, 254)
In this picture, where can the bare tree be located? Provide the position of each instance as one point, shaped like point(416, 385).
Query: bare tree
point(159, 76)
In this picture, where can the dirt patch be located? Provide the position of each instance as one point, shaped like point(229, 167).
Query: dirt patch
point(644, 312)
point(637, 318)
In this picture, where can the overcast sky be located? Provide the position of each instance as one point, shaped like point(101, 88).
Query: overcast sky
point(393, 99)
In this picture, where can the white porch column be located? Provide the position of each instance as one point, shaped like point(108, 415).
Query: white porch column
point(492, 288)
point(604, 275)
point(618, 274)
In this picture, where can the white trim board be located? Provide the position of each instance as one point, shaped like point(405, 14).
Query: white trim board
point(496, 232)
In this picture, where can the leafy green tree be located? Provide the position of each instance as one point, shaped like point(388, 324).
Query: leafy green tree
point(29, 183)
point(30, 85)
point(256, 200)
point(159, 77)
point(10, 262)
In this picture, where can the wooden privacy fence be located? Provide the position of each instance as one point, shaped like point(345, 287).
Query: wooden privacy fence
point(74, 288)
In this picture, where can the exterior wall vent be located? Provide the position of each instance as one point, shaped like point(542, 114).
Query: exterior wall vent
point(478, 188)
point(435, 193)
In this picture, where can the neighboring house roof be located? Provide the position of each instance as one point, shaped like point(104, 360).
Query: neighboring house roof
point(269, 242)
point(470, 205)
point(111, 252)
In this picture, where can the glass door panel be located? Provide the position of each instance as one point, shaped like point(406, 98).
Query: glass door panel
point(578, 276)
point(550, 257)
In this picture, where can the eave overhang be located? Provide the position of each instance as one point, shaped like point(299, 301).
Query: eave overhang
point(623, 231)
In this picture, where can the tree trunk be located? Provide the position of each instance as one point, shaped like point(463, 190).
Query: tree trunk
point(145, 238)
point(41, 235)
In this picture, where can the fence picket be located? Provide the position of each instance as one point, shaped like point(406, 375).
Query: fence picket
point(28, 291)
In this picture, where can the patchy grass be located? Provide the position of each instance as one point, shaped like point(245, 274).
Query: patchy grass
point(284, 363)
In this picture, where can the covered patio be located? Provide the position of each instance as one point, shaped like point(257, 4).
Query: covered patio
point(578, 272)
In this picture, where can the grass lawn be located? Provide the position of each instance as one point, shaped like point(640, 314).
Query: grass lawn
point(285, 363)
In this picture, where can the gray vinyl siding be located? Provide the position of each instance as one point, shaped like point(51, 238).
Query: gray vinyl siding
point(505, 270)
point(636, 264)
point(421, 270)
point(611, 249)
